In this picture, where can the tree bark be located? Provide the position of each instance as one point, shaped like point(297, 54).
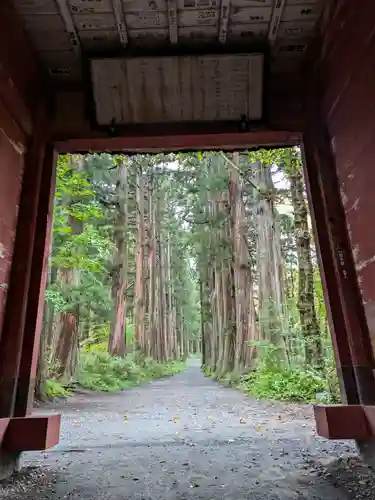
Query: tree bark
point(152, 283)
point(306, 305)
point(246, 329)
point(117, 336)
point(139, 300)
point(270, 263)
point(66, 353)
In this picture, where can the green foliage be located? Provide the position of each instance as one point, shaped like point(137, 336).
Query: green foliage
point(278, 381)
point(53, 389)
point(99, 335)
point(283, 385)
point(101, 372)
point(79, 242)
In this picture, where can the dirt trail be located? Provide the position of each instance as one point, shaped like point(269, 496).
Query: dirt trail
point(186, 437)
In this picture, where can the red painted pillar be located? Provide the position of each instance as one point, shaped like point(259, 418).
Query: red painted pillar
point(37, 286)
point(12, 336)
point(349, 330)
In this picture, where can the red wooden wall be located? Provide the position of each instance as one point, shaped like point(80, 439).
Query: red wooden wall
point(18, 91)
point(11, 162)
point(349, 111)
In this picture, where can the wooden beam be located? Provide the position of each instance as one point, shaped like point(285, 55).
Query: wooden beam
point(342, 422)
point(223, 23)
point(277, 13)
point(33, 433)
point(120, 22)
point(70, 26)
point(15, 309)
point(37, 286)
point(172, 21)
point(327, 265)
point(155, 143)
point(352, 341)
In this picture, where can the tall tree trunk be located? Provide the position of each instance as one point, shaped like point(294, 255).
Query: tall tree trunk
point(117, 336)
point(161, 296)
point(66, 353)
point(139, 299)
point(152, 283)
point(246, 329)
point(169, 291)
point(229, 292)
point(46, 338)
point(306, 304)
point(203, 311)
point(270, 264)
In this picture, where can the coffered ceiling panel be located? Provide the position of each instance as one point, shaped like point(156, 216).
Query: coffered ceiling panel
point(65, 31)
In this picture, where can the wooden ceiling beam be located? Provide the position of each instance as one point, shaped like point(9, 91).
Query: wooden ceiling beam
point(67, 18)
point(277, 13)
point(172, 21)
point(120, 22)
point(223, 23)
point(179, 142)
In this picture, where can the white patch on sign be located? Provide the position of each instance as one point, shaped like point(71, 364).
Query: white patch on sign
point(2, 251)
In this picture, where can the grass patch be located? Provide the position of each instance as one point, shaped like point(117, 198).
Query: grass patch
point(101, 372)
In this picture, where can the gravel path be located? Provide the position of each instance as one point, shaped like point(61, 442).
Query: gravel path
point(187, 437)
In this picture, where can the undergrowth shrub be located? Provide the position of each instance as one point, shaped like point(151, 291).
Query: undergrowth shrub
point(274, 378)
point(101, 372)
point(283, 385)
point(53, 389)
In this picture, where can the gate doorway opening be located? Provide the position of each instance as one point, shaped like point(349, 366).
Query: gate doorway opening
point(157, 257)
point(241, 219)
